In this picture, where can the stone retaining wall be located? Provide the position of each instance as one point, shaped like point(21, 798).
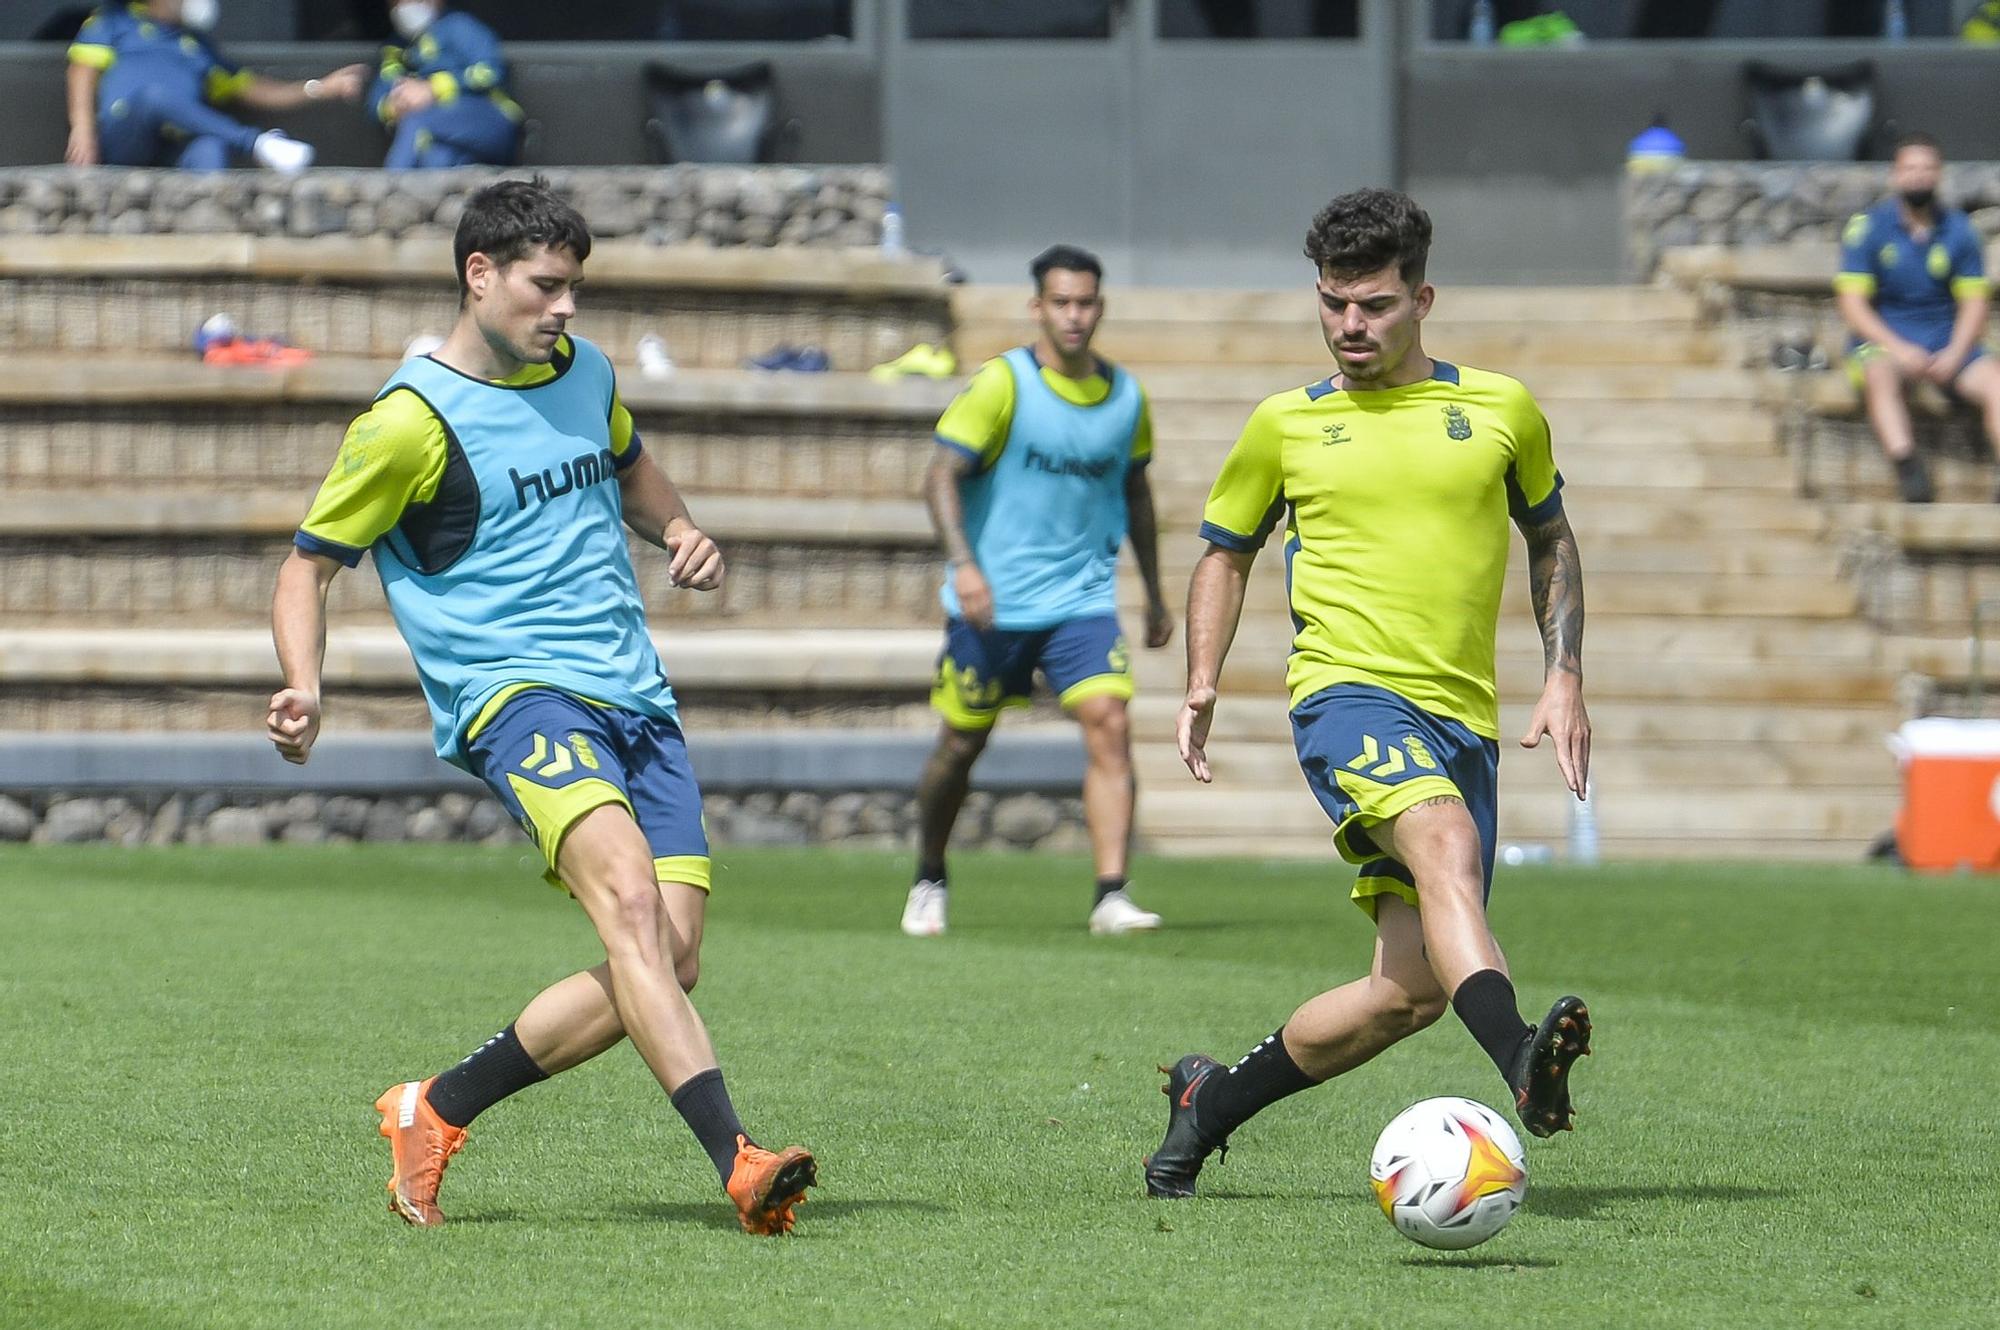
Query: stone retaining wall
point(856, 819)
point(666, 205)
point(1769, 203)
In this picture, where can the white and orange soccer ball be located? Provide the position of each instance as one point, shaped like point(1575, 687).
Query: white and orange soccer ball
point(1449, 1173)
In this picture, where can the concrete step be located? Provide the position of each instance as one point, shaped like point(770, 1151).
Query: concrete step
point(1605, 594)
point(1616, 769)
point(1969, 529)
point(1784, 641)
point(1531, 812)
point(1253, 717)
point(792, 562)
point(1618, 385)
point(1507, 306)
point(1626, 678)
point(1314, 850)
point(1146, 346)
point(367, 298)
point(852, 660)
point(154, 423)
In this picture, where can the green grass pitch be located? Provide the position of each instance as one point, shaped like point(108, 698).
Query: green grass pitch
point(1789, 1120)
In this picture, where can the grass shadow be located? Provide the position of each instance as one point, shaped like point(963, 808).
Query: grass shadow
point(1565, 1201)
point(715, 1214)
point(709, 1215)
point(1455, 1261)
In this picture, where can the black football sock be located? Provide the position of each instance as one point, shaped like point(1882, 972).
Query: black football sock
point(930, 871)
point(1485, 1002)
point(496, 1069)
point(1231, 1097)
point(1105, 886)
point(704, 1101)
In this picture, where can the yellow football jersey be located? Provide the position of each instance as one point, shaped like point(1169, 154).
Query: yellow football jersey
point(1396, 504)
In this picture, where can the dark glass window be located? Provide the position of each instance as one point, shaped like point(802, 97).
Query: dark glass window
point(604, 20)
point(961, 19)
point(1244, 20)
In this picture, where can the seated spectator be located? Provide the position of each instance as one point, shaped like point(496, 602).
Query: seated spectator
point(145, 82)
point(444, 94)
point(1912, 289)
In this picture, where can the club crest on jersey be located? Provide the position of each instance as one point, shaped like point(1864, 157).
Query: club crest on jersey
point(1456, 423)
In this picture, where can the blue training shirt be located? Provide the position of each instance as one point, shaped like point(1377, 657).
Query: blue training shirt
point(1915, 284)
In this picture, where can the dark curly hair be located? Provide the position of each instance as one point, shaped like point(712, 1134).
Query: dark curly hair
point(1369, 229)
point(507, 219)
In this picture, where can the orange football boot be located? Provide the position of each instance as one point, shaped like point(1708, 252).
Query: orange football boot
point(422, 1144)
point(766, 1185)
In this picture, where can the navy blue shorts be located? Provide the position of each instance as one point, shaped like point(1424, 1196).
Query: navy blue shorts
point(550, 758)
point(980, 672)
point(1369, 754)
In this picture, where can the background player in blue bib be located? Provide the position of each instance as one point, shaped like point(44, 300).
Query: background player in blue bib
point(1039, 476)
point(1912, 288)
point(492, 482)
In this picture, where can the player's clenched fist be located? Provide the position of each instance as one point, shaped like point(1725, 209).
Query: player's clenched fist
point(697, 562)
point(293, 723)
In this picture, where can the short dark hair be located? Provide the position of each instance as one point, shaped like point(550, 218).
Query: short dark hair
point(1067, 257)
point(509, 218)
point(1916, 139)
point(1368, 229)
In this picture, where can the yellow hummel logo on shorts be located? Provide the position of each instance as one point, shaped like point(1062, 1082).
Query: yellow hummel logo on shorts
point(1383, 763)
point(549, 760)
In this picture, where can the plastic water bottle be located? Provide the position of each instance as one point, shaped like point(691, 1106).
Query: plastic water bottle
point(1654, 148)
point(1895, 21)
point(1484, 27)
point(1583, 829)
point(892, 230)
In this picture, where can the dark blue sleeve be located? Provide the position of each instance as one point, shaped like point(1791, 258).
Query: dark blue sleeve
point(470, 52)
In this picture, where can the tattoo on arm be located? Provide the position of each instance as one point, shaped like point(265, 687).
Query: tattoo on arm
point(947, 469)
point(1555, 581)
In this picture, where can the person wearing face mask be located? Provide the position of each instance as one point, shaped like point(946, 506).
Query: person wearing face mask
point(145, 83)
point(443, 94)
point(1912, 289)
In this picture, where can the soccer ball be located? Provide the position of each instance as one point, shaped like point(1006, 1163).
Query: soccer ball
point(1449, 1173)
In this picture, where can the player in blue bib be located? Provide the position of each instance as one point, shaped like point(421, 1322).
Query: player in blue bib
point(492, 481)
point(1912, 288)
point(1038, 480)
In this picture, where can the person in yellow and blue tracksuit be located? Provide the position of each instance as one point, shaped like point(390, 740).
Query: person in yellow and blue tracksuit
point(146, 86)
point(443, 94)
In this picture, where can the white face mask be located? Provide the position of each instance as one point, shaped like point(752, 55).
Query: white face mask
point(410, 17)
point(200, 15)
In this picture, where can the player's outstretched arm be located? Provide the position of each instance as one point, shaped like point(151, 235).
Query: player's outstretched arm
point(1555, 580)
point(1215, 604)
point(655, 510)
point(298, 629)
point(948, 469)
point(1146, 549)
